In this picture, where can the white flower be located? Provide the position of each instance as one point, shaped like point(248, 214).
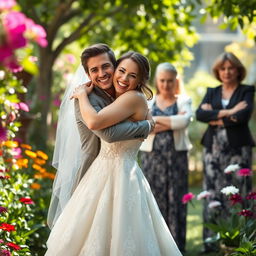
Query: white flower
point(230, 190)
point(214, 204)
point(203, 194)
point(232, 168)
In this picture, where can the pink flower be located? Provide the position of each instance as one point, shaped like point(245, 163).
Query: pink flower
point(14, 23)
point(245, 213)
point(56, 102)
point(1, 241)
point(6, 4)
point(214, 204)
point(17, 152)
point(26, 200)
point(5, 253)
point(236, 198)
point(71, 58)
point(187, 197)
point(203, 194)
point(23, 106)
point(36, 32)
point(244, 172)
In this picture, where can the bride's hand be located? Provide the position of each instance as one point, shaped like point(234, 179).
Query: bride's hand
point(81, 90)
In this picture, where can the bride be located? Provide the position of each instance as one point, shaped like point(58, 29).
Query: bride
point(112, 212)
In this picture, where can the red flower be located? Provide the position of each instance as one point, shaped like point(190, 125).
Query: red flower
point(244, 172)
point(7, 227)
point(236, 198)
point(3, 209)
point(187, 197)
point(251, 195)
point(26, 200)
point(245, 213)
point(13, 246)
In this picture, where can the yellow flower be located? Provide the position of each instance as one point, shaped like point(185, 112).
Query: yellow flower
point(37, 167)
point(49, 175)
point(26, 146)
point(35, 186)
point(11, 144)
point(39, 161)
point(22, 162)
point(38, 176)
point(42, 154)
point(30, 153)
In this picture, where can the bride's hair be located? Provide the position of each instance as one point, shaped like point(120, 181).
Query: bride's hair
point(144, 71)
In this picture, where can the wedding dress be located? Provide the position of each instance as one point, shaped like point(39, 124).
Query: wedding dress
point(113, 211)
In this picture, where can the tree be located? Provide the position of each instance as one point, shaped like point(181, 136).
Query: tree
point(159, 29)
point(235, 13)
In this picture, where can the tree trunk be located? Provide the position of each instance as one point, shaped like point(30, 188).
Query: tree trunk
point(42, 98)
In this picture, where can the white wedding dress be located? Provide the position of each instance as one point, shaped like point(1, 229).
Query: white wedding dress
point(112, 212)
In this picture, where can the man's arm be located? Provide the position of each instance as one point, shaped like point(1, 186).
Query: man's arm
point(124, 131)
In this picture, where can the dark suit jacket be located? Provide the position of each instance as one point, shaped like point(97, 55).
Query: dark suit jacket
point(238, 132)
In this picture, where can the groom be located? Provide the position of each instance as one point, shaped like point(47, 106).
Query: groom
point(99, 64)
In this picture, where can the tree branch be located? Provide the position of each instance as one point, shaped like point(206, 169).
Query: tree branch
point(82, 29)
point(59, 19)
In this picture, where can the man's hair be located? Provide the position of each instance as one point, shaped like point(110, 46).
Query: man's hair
point(95, 50)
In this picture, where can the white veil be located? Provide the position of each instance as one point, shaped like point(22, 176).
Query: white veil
point(67, 151)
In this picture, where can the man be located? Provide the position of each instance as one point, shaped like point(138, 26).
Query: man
point(99, 64)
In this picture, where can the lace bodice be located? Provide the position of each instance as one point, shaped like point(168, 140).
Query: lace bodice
point(120, 149)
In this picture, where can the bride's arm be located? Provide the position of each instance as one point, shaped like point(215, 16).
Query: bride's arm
point(121, 109)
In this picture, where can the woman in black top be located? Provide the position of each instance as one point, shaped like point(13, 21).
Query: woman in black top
point(227, 109)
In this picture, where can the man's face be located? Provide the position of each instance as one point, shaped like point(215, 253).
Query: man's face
point(100, 71)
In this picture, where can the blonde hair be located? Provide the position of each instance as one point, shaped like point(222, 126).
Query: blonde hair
point(228, 56)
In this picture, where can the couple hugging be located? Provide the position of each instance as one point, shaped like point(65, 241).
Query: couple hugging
point(112, 211)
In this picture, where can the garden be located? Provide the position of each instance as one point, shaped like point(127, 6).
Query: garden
point(40, 45)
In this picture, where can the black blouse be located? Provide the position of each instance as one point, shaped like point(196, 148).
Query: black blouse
point(236, 125)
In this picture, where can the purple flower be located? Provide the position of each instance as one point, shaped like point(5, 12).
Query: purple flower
point(236, 198)
point(251, 195)
point(3, 209)
point(3, 134)
point(246, 213)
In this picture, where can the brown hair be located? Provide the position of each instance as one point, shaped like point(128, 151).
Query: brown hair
point(228, 56)
point(144, 71)
point(95, 50)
